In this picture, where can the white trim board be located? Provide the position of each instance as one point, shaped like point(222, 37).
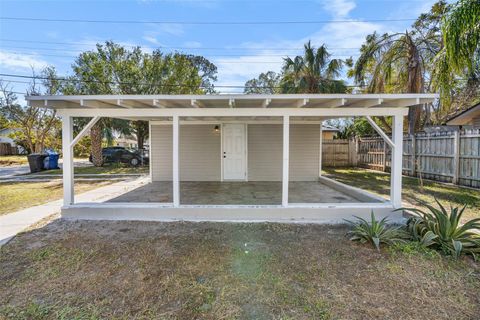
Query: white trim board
point(326, 214)
point(234, 112)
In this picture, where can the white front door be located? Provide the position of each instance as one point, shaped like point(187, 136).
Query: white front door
point(234, 152)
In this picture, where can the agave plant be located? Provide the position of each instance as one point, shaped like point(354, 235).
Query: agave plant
point(375, 232)
point(441, 229)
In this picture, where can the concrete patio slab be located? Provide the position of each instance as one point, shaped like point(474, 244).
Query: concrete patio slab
point(238, 193)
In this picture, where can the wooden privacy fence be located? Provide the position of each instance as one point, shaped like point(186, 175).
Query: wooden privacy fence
point(6, 149)
point(452, 156)
point(339, 153)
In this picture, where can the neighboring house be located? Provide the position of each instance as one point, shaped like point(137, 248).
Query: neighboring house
point(469, 117)
point(236, 157)
point(329, 132)
point(126, 141)
point(8, 144)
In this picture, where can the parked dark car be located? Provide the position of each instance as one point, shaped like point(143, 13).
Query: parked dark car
point(120, 154)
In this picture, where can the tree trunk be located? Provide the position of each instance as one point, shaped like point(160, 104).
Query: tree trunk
point(141, 131)
point(414, 85)
point(140, 142)
point(96, 138)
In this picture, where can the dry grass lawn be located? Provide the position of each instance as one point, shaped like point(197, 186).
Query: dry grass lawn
point(109, 168)
point(413, 193)
point(150, 270)
point(15, 160)
point(15, 196)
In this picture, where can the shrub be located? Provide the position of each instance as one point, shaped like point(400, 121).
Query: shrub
point(375, 232)
point(442, 230)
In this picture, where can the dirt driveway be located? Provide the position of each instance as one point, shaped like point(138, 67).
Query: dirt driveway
point(153, 270)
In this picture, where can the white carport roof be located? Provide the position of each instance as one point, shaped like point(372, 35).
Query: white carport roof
point(231, 101)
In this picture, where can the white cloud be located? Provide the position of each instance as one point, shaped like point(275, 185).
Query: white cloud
point(156, 30)
point(335, 35)
point(14, 61)
point(192, 44)
point(150, 39)
point(339, 8)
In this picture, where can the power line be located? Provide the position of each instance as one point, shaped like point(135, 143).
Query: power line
point(200, 22)
point(207, 55)
point(168, 47)
point(136, 83)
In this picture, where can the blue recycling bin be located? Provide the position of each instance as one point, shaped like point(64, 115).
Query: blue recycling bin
point(53, 161)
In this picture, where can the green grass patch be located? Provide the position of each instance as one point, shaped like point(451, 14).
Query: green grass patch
point(15, 196)
point(413, 191)
point(16, 160)
point(110, 168)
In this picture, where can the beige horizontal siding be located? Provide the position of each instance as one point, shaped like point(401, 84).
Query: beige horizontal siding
point(200, 149)
point(199, 153)
point(265, 144)
point(304, 152)
point(161, 145)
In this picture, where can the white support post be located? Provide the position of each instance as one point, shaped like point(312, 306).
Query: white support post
point(150, 166)
point(320, 150)
point(396, 165)
point(286, 153)
point(67, 149)
point(176, 180)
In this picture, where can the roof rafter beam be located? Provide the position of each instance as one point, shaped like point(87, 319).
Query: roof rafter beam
point(156, 103)
point(380, 132)
point(403, 102)
point(302, 103)
point(266, 103)
point(131, 104)
point(94, 104)
point(367, 103)
point(335, 103)
point(54, 104)
point(196, 103)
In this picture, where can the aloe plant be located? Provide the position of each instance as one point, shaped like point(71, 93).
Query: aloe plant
point(441, 229)
point(375, 232)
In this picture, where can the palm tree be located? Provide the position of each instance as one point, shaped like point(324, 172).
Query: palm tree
point(461, 35)
point(394, 63)
point(314, 72)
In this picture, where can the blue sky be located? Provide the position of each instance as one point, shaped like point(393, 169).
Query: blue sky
point(240, 52)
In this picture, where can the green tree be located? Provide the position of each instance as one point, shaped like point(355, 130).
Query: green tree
point(266, 83)
point(314, 72)
point(36, 128)
point(461, 34)
point(393, 63)
point(417, 61)
point(114, 69)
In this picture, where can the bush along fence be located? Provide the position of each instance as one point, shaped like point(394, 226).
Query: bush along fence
point(451, 156)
